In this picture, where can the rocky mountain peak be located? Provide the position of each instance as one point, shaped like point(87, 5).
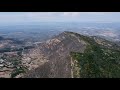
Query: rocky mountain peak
point(57, 50)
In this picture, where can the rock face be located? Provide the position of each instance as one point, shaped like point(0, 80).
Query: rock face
point(57, 52)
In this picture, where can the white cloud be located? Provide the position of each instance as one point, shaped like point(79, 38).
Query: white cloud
point(73, 14)
point(94, 13)
point(58, 16)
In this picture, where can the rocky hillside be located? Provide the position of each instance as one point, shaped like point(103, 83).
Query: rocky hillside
point(57, 51)
point(71, 55)
point(67, 55)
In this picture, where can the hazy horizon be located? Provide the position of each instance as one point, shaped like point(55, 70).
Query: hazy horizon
point(38, 17)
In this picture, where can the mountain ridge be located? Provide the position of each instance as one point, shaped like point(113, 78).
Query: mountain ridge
point(66, 55)
point(57, 51)
point(64, 51)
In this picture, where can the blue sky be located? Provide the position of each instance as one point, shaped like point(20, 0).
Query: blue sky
point(22, 17)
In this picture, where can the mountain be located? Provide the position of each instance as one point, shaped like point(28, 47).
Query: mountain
point(67, 55)
point(71, 55)
point(57, 51)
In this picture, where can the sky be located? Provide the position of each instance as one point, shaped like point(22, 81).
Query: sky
point(23, 17)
